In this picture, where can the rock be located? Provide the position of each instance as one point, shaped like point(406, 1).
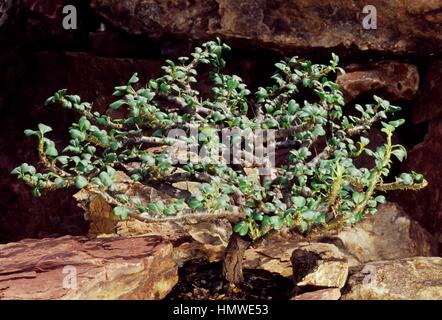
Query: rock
point(55, 213)
point(79, 268)
point(402, 27)
point(8, 12)
point(200, 241)
point(44, 22)
point(387, 235)
point(417, 278)
point(389, 79)
point(319, 265)
point(273, 254)
point(425, 205)
point(324, 294)
point(429, 101)
point(377, 138)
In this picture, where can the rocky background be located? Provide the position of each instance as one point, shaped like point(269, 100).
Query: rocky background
point(401, 60)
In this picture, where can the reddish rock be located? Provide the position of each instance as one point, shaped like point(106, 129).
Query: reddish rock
point(324, 294)
point(402, 27)
point(79, 268)
point(425, 205)
point(43, 22)
point(387, 235)
point(389, 79)
point(55, 214)
point(429, 102)
point(94, 79)
point(319, 265)
point(418, 278)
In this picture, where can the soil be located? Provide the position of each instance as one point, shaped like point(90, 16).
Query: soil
point(204, 281)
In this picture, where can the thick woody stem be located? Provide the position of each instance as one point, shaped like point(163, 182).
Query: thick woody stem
point(233, 259)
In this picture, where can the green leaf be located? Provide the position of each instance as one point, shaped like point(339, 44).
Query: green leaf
point(120, 212)
point(36, 192)
point(310, 215)
point(84, 124)
point(26, 168)
point(117, 104)
point(196, 203)
point(16, 170)
point(217, 116)
point(77, 134)
point(380, 199)
point(169, 211)
point(280, 65)
point(298, 202)
point(397, 123)
point(364, 141)
point(293, 107)
point(418, 178)
point(241, 228)
point(277, 222)
point(60, 182)
point(303, 226)
point(80, 182)
point(158, 133)
point(406, 179)
point(29, 132)
point(134, 78)
point(63, 159)
point(258, 216)
point(272, 123)
point(50, 150)
point(400, 153)
point(44, 128)
point(358, 197)
point(335, 59)
point(105, 179)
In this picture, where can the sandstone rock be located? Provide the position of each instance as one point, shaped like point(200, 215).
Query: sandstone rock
point(319, 265)
point(273, 255)
point(425, 205)
point(200, 241)
point(44, 22)
point(54, 214)
point(99, 213)
point(389, 79)
point(377, 138)
point(93, 78)
point(7, 10)
point(79, 268)
point(387, 235)
point(403, 27)
point(429, 101)
point(324, 294)
point(417, 278)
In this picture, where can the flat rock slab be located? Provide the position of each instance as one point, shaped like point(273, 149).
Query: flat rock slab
point(319, 265)
point(417, 278)
point(402, 26)
point(78, 268)
point(389, 234)
point(323, 294)
point(390, 79)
